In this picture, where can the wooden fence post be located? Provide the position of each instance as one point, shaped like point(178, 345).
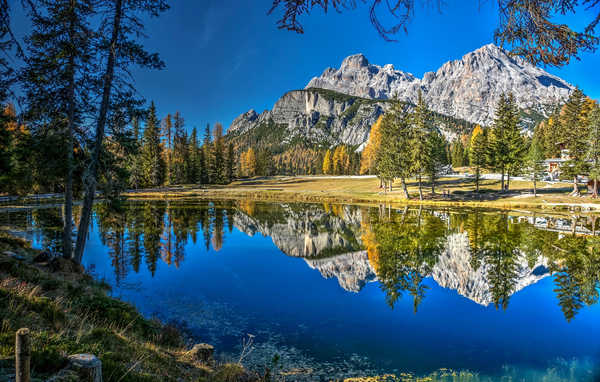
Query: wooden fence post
point(22, 355)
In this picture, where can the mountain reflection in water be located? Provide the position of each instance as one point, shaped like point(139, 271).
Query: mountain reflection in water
point(407, 254)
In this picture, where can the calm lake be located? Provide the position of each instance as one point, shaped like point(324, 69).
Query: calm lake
point(334, 291)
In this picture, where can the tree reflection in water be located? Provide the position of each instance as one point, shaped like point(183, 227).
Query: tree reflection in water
point(402, 246)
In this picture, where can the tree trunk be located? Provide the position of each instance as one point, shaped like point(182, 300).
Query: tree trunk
point(92, 172)
point(507, 181)
point(502, 181)
point(404, 188)
point(534, 188)
point(595, 188)
point(420, 188)
point(575, 187)
point(477, 179)
point(68, 207)
point(391, 184)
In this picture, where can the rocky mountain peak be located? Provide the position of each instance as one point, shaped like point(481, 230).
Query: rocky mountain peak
point(467, 88)
point(356, 61)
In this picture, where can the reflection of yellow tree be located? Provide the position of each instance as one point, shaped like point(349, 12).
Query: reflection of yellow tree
point(369, 241)
point(247, 206)
point(338, 210)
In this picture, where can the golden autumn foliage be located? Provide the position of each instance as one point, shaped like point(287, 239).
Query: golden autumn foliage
point(476, 131)
point(370, 242)
point(367, 160)
point(247, 206)
point(327, 164)
point(297, 160)
point(248, 162)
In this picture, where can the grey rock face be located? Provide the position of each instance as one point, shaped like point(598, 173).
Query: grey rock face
point(244, 121)
point(317, 116)
point(358, 77)
point(309, 234)
point(468, 88)
point(454, 271)
point(352, 270)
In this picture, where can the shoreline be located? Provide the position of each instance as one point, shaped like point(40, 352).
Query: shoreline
point(358, 190)
point(363, 190)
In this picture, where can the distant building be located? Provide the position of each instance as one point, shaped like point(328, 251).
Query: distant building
point(554, 164)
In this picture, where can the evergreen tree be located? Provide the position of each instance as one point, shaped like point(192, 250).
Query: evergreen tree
point(515, 141)
point(152, 159)
point(202, 171)
point(535, 163)
point(437, 153)
point(505, 143)
point(56, 81)
point(477, 153)
point(230, 164)
point(594, 149)
point(5, 140)
point(168, 135)
point(423, 158)
point(218, 155)
point(194, 162)
point(575, 137)
point(207, 148)
point(393, 160)
point(134, 163)
point(179, 159)
point(120, 24)
point(457, 153)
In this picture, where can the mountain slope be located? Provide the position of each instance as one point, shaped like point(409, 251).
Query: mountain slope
point(467, 89)
point(319, 116)
point(341, 105)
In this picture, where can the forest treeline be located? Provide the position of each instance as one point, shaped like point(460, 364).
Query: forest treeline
point(406, 144)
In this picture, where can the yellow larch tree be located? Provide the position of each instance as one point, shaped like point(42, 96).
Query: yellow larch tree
point(367, 159)
point(327, 165)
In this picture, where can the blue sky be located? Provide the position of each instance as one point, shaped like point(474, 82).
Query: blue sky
point(224, 57)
